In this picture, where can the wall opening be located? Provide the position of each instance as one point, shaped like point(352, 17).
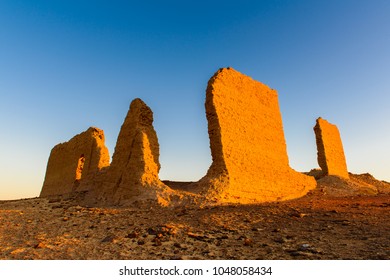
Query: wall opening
point(80, 167)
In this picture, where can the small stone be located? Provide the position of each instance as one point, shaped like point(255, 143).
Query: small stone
point(152, 231)
point(304, 247)
point(211, 254)
point(280, 240)
point(109, 238)
point(141, 242)
point(17, 251)
point(248, 242)
point(176, 257)
point(133, 234)
point(157, 242)
point(196, 236)
point(295, 253)
point(223, 237)
point(39, 245)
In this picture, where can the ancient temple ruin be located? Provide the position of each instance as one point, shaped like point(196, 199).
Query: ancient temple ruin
point(248, 148)
point(330, 152)
point(250, 162)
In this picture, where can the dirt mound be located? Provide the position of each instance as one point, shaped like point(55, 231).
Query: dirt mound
point(383, 187)
point(356, 185)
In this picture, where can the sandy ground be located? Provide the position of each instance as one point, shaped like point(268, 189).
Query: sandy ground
point(326, 224)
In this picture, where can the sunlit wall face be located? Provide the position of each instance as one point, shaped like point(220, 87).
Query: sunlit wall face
point(66, 66)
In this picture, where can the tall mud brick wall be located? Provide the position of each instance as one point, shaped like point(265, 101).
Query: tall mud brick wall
point(72, 161)
point(248, 148)
point(135, 164)
point(330, 152)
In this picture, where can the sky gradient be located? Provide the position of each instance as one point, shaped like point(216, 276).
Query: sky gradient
point(69, 65)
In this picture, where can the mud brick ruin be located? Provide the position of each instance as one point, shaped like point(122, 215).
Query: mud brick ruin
point(133, 172)
point(75, 161)
point(330, 152)
point(82, 164)
point(250, 162)
point(248, 148)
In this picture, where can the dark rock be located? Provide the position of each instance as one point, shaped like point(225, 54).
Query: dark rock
point(133, 234)
point(196, 236)
point(141, 242)
point(39, 245)
point(109, 238)
point(152, 231)
point(157, 242)
point(295, 253)
point(304, 247)
point(223, 237)
point(280, 240)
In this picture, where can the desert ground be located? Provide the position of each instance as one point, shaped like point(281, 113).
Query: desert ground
point(338, 220)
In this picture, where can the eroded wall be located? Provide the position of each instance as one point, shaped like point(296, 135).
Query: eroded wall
point(250, 162)
point(72, 161)
point(330, 151)
point(135, 164)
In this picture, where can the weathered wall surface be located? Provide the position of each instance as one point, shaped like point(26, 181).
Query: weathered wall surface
point(135, 163)
point(72, 161)
point(250, 162)
point(330, 152)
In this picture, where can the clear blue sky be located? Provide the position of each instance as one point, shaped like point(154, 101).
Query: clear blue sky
point(68, 65)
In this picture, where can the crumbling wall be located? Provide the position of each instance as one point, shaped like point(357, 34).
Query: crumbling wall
point(250, 162)
point(330, 152)
point(135, 164)
point(71, 162)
